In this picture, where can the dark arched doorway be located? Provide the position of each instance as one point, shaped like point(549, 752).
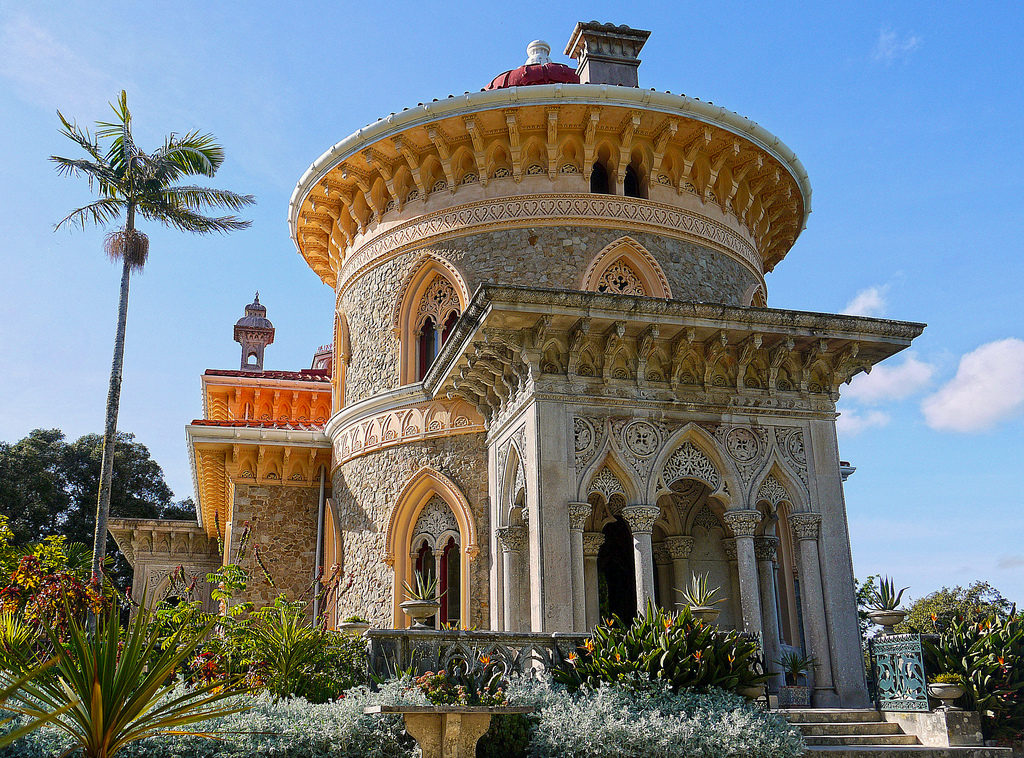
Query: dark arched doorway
point(615, 572)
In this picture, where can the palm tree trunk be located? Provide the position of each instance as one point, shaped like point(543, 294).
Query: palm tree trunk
point(99, 545)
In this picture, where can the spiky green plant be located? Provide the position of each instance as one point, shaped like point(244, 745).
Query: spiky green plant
point(885, 597)
point(700, 593)
point(425, 589)
point(114, 687)
point(794, 665)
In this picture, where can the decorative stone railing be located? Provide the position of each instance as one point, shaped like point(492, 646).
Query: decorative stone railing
point(394, 650)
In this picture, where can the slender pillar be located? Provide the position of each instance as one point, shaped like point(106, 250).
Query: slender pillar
point(679, 549)
point(764, 549)
point(663, 565)
point(805, 527)
point(592, 542)
point(513, 544)
point(578, 514)
point(729, 548)
point(641, 520)
point(743, 524)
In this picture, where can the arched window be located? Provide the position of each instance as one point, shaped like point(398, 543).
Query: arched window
point(427, 346)
point(599, 179)
point(631, 185)
point(438, 306)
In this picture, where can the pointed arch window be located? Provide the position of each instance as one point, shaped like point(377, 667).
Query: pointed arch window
point(599, 183)
point(436, 315)
point(631, 185)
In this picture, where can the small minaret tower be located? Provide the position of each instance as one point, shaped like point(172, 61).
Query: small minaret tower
point(254, 332)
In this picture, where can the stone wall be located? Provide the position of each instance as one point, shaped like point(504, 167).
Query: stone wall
point(282, 520)
point(365, 491)
point(557, 259)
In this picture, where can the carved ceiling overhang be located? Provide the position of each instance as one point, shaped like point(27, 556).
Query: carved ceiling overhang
point(178, 539)
point(696, 157)
point(512, 340)
point(224, 456)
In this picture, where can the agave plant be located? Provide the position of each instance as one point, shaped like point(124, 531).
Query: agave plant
point(885, 597)
point(115, 687)
point(793, 666)
point(700, 593)
point(425, 589)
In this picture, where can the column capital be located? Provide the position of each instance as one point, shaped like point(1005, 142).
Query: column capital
point(641, 518)
point(679, 547)
point(592, 542)
point(578, 514)
point(805, 526)
point(729, 548)
point(742, 523)
point(662, 556)
point(765, 547)
point(512, 538)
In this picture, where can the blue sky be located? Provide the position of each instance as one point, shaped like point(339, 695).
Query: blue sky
point(907, 116)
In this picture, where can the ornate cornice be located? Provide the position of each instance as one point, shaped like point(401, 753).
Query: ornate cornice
point(604, 211)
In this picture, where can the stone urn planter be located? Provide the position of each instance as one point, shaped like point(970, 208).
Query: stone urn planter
point(355, 628)
point(706, 613)
point(418, 610)
point(447, 731)
point(947, 692)
point(794, 696)
point(753, 692)
point(887, 619)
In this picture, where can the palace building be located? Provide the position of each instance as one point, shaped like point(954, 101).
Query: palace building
point(555, 382)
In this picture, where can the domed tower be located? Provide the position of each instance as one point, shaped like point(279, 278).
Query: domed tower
point(254, 332)
point(557, 385)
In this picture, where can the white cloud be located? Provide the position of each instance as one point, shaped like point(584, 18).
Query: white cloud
point(49, 73)
point(1010, 562)
point(851, 422)
point(891, 46)
point(868, 302)
point(891, 382)
point(988, 387)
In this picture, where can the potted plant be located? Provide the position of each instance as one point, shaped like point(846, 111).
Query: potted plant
point(354, 625)
point(701, 598)
point(947, 688)
point(795, 667)
point(885, 601)
point(423, 600)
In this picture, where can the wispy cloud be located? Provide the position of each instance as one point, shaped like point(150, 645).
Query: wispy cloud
point(869, 302)
point(851, 422)
point(1010, 562)
point(891, 382)
point(988, 387)
point(45, 71)
point(892, 46)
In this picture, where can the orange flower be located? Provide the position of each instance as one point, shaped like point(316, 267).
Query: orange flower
point(667, 622)
point(697, 656)
point(618, 658)
point(589, 645)
point(572, 658)
point(485, 659)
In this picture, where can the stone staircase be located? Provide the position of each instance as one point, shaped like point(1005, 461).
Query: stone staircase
point(848, 733)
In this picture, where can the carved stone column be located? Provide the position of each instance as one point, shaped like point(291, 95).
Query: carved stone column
point(729, 548)
point(805, 527)
point(641, 520)
point(743, 524)
point(663, 565)
point(578, 513)
point(592, 542)
point(513, 544)
point(764, 549)
point(679, 549)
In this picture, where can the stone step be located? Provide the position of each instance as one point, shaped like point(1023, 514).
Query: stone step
point(861, 740)
point(907, 751)
point(829, 715)
point(820, 729)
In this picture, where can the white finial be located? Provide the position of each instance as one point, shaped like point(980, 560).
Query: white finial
point(537, 53)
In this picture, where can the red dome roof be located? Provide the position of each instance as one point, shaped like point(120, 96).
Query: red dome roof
point(545, 73)
point(538, 69)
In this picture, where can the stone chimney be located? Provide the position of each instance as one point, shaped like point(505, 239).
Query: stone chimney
point(607, 53)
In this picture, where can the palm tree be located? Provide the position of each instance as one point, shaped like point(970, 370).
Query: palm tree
point(135, 183)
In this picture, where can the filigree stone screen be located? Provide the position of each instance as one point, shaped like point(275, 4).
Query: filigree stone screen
point(620, 279)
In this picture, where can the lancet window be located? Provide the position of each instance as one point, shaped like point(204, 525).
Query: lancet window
point(436, 314)
point(436, 552)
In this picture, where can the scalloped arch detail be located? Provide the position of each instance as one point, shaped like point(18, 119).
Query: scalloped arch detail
point(637, 261)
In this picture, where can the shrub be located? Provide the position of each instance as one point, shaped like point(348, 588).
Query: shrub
point(986, 655)
point(468, 683)
point(946, 679)
point(674, 648)
point(651, 720)
point(292, 728)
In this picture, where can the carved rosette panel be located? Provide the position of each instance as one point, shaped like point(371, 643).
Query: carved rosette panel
point(620, 279)
point(439, 301)
point(789, 440)
point(747, 446)
point(588, 436)
point(771, 491)
point(706, 519)
point(688, 462)
point(742, 523)
point(638, 441)
point(805, 526)
point(434, 520)
point(513, 539)
point(641, 518)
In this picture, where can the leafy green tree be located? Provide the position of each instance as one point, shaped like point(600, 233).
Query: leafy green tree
point(33, 488)
point(976, 601)
point(132, 182)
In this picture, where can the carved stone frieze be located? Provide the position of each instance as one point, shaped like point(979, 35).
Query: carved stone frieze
point(436, 519)
point(706, 519)
point(771, 491)
point(688, 462)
